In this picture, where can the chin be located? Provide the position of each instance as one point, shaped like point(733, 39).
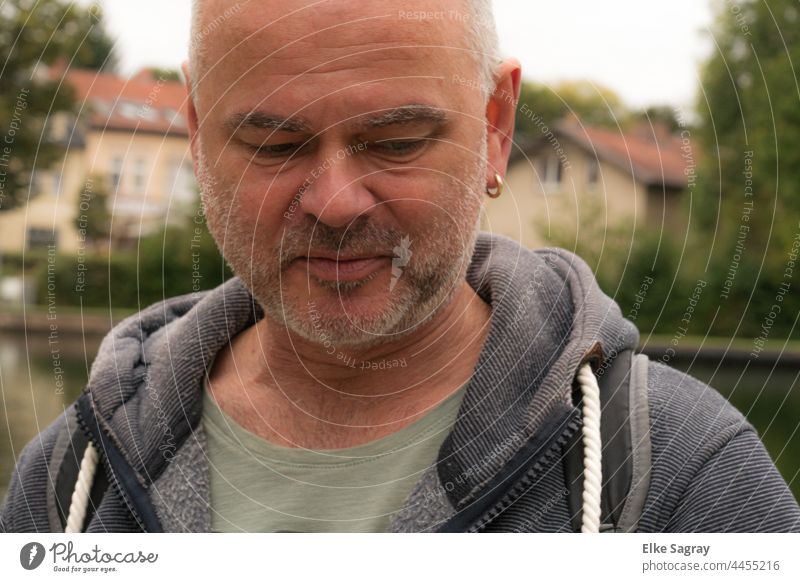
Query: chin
point(354, 315)
point(359, 313)
point(348, 316)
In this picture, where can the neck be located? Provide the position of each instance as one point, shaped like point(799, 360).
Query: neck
point(380, 389)
point(379, 370)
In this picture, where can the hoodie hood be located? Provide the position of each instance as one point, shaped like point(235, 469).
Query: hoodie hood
point(548, 317)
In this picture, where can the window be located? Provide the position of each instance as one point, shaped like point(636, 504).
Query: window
point(101, 106)
point(36, 182)
point(41, 238)
point(128, 109)
point(147, 113)
point(58, 184)
point(551, 172)
point(180, 181)
point(116, 172)
point(174, 117)
point(139, 176)
point(593, 172)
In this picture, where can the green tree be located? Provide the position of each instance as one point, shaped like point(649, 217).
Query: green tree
point(751, 103)
point(663, 114)
point(749, 202)
point(34, 36)
point(93, 218)
point(159, 73)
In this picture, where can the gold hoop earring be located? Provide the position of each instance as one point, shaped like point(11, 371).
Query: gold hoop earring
point(497, 190)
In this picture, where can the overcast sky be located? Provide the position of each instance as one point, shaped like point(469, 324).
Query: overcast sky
point(648, 52)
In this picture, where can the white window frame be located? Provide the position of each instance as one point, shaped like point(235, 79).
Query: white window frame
point(139, 186)
point(593, 173)
point(117, 171)
point(552, 174)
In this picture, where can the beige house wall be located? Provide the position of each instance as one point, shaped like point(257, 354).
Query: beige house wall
point(146, 207)
point(528, 209)
point(53, 208)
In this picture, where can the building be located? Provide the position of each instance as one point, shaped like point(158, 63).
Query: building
point(130, 136)
point(577, 177)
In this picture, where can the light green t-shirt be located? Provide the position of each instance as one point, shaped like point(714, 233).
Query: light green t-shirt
point(258, 486)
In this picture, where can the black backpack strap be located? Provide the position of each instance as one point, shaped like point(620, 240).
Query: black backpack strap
point(625, 433)
point(65, 464)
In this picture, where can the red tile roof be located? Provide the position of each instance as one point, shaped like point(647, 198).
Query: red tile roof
point(142, 104)
point(651, 154)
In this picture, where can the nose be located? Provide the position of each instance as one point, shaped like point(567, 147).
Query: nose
point(336, 196)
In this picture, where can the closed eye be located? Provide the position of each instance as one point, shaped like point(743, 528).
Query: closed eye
point(278, 150)
point(397, 147)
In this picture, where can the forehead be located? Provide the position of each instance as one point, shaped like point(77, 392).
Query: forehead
point(271, 50)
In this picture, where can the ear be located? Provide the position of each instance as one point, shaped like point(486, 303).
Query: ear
point(191, 112)
point(501, 112)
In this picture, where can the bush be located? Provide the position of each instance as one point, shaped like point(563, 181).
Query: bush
point(16, 263)
point(651, 290)
point(170, 263)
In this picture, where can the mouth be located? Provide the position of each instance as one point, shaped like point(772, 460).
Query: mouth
point(340, 268)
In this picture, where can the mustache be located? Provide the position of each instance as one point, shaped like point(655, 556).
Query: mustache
point(360, 237)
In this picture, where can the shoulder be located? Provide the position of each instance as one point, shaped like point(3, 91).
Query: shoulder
point(689, 422)
point(708, 463)
point(29, 505)
point(687, 413)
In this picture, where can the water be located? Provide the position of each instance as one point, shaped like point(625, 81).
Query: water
point(31, 394)
point(31, 398)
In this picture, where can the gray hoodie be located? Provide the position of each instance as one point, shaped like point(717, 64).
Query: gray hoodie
point(502, 467)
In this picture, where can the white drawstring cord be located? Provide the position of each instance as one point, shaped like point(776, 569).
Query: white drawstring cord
point(80, 495)
point(592, 466)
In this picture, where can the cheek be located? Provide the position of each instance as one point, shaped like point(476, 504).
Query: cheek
point(416, 190)
point(438, 196)
point(257, 204)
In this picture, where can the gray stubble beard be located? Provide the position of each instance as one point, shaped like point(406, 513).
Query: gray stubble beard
point(428, 283)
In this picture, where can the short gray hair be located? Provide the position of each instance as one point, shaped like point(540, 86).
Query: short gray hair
point(478, 15)
point(485, 42)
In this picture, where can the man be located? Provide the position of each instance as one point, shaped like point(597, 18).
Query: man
point(378, 364)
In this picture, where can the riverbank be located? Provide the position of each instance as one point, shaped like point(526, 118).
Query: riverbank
point(74, 321)
point(736, 350)
point(67, 321)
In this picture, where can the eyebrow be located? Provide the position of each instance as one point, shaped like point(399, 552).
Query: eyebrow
point(260, 120)
point(405, 114)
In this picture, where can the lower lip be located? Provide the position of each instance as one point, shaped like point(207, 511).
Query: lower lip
point(332, 270)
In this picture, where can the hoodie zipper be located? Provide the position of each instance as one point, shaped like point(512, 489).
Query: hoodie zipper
point(522, 484)
point(113, 483)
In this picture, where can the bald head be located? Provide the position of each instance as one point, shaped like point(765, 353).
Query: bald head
point(344, 127)
point(474, 17)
